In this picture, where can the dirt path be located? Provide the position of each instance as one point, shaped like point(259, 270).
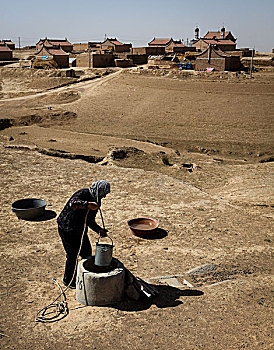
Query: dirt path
point(82, 85)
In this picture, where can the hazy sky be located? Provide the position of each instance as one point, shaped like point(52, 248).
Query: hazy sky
point(251, 21)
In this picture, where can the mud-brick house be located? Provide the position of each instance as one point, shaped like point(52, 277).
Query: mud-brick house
point(170, 45)
point(175, 45)
point(223, 44)
point(63, 43)
point(162, 42)
point(112, 44)
point(139, 55)
point(94, 60)
point(221, 34)
point(215, 58)
point(166, 43)
point(80, 47)
point(223, 39)
point(92, 45)
point(8, 43)
point(5, 53)
point(148, 50)
point(56, 54)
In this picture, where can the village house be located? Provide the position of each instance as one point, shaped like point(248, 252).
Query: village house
point(5, 53)
point(179, 47)
point(94, 60)
point(91, 45)
point(175, 45)
point(223, 39)
point(242, 52)
point(214, 58)
point(63, 43)
point(148, 50)
point(167, 43)
point(163, 42)
point(80, 47)
point(222, 34)
point(94, 45)
point(56, 54)
point(158, 47)
point(8, 43)
point(115, 45)
point(139, 55)
point(224, 44)
point(171, 46)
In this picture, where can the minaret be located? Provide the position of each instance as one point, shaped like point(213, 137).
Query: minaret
point(223, 32)
point(197, 33)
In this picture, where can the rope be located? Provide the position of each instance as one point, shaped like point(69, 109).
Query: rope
point(102, 218)
point(60, 306)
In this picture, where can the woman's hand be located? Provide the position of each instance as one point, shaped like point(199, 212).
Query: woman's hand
point(103, 232)
point(93, 206)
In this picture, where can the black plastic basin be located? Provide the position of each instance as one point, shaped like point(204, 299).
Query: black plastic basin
point(29, 208)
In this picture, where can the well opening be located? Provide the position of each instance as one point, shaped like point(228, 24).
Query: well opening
point(90, 266)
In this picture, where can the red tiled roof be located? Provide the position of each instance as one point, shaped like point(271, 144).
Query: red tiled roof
point(55, 42)
point(179, 45)
point(116, 42)
point(216, 34)
point(160, 41)
point(219, 41)
point(6, 41)
point(57, 52)
point(220, 52)
point(53, 51)
point(59, 42)
point(4, 48)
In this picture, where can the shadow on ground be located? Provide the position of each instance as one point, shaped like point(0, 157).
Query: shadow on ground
point(158, 233)
point(48, 215)
point(168, 297)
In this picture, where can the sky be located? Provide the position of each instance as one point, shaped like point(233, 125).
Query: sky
point(137, 21)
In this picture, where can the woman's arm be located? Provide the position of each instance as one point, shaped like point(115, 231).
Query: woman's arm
point(77, 203)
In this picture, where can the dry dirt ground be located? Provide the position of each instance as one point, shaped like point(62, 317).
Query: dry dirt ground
point(194, 152)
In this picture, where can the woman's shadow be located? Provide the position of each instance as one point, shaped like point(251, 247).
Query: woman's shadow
point(167, 297)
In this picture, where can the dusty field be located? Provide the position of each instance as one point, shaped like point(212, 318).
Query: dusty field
point(198, 157)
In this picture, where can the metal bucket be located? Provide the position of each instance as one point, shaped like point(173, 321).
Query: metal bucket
point(103, 253)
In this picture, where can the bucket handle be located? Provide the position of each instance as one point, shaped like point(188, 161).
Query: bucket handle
point(104, 228)
point(104, 237)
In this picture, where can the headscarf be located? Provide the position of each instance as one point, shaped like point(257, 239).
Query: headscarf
point(99, 189)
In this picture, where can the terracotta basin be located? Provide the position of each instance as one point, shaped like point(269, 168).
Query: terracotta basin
point(142, 227)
